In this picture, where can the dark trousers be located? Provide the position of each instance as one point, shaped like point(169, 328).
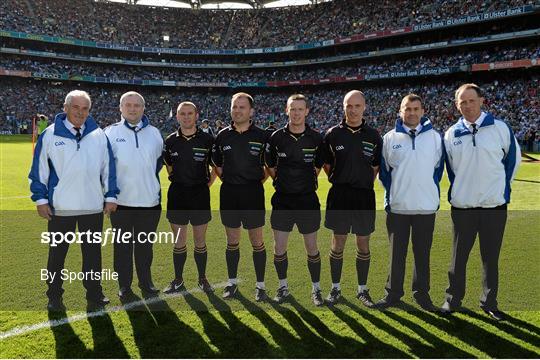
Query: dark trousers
point(489, 224)
point(91, 253)
point(399, 228)
point(137, 221)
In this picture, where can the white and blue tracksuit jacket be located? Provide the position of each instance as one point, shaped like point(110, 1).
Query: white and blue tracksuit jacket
point(411, 169)
point(74, 178)
point(481, 166)
point(137, 152)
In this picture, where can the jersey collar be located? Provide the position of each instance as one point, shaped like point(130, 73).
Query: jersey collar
point(362, 125)
point(251, 125)
point(179, 133)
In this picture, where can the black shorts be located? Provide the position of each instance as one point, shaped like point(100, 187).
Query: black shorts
point(350, 210)
point(300, 209)
point(242, 205)
point(188, 204)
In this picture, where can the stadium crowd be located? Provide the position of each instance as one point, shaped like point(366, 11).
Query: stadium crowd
point(366, 67)
point(516, 100)
point(135, 25)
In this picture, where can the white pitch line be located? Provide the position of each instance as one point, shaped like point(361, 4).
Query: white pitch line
point(81, 316)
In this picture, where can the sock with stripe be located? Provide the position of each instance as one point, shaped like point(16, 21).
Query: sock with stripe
point(336, 265)
point(259, 262)
point(201, 256)
point(281, 263)
point(232, 257)
point(362, 266)
point(314, 267)
point(179, 260)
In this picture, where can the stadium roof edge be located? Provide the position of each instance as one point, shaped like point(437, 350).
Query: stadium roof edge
point(219, 4)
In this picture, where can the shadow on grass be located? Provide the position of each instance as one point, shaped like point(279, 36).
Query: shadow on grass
point(300, 343)
point(67, 343)
point(373, 348)
point(159, 333)
point(106, 343)
point(418, 348)
point(490, 343)
point(234, 336)
point(443, 348)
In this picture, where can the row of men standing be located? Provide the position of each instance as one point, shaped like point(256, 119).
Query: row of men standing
point(480, 151)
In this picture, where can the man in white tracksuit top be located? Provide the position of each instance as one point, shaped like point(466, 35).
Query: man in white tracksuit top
point(411, 169)
point(482, 159)
point(137, 148)
point(73, 182)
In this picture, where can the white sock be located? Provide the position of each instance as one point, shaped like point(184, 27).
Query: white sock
point(233, 281)
point(260, 285)
point(316, 286)
point(362, 288)
point(283, 282)
point(336, 285)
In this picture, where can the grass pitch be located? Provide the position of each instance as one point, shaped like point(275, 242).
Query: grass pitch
point(196, 325)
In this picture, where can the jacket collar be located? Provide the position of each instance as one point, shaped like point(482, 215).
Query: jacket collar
point(426, 125)
point(461, 129)
point(144, 120)
point(61, 130)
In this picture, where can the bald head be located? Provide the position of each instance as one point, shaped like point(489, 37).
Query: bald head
point(353, 93)
point(354, 105)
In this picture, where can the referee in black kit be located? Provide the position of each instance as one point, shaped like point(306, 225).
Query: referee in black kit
point(238, 156)
point(353, 155)
point(187, 156)
point(293, 158)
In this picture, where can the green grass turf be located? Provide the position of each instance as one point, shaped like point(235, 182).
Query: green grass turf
point(201, 326)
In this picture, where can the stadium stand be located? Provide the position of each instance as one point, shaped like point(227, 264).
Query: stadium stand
point(136, 25)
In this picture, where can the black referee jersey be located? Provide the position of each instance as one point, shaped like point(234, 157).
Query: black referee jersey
point(240, 154)
point(189, 157)
point(351, 153)
point(295, 157)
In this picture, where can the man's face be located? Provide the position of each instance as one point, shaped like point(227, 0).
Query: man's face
point(469, 104)
point(411, 112)
point(78, 110)
point(241, 111)
point(354, 106)
point(297, 111)
point(187, 117)
point(132, 109)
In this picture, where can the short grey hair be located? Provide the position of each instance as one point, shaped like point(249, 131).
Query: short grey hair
point(132, 93)
point(77, 93)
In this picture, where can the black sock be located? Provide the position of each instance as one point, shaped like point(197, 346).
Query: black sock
point(201, 255)
point(179, 260)
point(232, 257)
point(259, 262)
point(336, 265)
point(362, 266)
point(314, 267)
point(281, 263)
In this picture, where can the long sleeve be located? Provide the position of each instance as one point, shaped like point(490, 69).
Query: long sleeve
point(39, 173)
